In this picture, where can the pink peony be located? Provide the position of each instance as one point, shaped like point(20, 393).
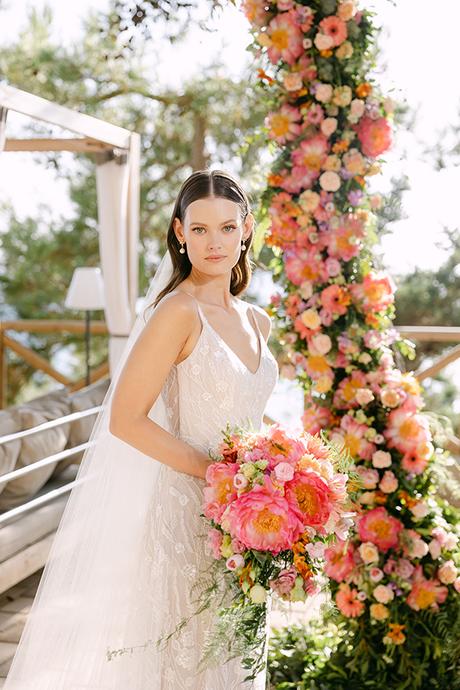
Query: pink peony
point(339, 560)
point(379, 527)
point(406, 429)
point(285, 39)
point(374, 135)
point(221, 489)
point(425, 593)
point(215, 537)
point(262, 519)
point(309, 497)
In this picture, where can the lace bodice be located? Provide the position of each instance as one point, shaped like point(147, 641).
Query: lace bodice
point(212, 386)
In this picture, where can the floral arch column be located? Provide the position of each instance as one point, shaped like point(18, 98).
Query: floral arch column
point(395, 582)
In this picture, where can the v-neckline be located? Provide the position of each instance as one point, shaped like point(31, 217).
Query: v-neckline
point(224, 342)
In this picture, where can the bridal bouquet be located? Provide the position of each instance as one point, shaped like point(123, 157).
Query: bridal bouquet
point(274, 501)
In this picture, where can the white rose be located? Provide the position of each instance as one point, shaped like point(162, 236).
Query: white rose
point(434, 548)
point(330, 181)
point(364, 396)
point(323, 41)
point(328, 126)
point(381, 458)
point(447, 573)
point(383, 594)
point(323, 93)
point(419, 510)
point(368, 552)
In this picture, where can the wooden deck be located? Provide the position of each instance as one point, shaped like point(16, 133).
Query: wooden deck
point(14, 607)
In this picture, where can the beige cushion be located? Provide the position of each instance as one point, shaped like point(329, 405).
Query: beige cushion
point(9, 452)
point(34, 447)
point(80, 429)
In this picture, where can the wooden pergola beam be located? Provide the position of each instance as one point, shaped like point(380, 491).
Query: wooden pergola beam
point(85, 145)
point(41, 109)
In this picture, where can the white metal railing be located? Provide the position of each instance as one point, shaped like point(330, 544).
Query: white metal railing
point(49, 495)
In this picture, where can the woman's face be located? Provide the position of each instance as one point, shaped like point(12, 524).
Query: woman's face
point(213, 227)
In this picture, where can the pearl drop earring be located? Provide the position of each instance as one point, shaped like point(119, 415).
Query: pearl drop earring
point(243, 246)
point(182, 250)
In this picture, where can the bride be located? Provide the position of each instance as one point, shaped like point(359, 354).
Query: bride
point(131, 542)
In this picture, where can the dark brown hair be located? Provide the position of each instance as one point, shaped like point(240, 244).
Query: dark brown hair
point(200, 185)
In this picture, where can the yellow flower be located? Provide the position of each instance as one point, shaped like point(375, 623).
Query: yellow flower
point(379, 611)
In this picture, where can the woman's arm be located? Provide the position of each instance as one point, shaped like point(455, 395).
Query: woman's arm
point(141, 380)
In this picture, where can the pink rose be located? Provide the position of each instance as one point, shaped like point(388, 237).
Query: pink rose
point(404, 568)
point(388, 483)
point(235, 561)
point(375, 574)
point(284, 471)
point(285, 581)
point(364, 396)
point(368, 476)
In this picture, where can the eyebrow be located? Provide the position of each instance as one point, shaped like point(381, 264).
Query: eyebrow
point(231, 220)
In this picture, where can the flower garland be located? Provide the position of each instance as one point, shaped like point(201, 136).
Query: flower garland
point(328, 125)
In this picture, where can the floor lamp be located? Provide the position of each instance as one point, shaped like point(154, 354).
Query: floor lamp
point(86, 292)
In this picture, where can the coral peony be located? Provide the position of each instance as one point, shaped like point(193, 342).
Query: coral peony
point(379, 527)
point(374, 135)
point(220, 477)
point(308, 495)
point(263, 519)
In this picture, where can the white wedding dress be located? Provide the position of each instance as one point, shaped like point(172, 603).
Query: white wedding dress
point(163, 548)
point(211, 387)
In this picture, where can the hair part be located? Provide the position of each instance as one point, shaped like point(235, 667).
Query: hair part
point(204, 184)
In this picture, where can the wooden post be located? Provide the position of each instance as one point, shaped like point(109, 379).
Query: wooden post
point(3, 370)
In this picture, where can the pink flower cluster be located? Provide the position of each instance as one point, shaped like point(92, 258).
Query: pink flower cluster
point(274, 492)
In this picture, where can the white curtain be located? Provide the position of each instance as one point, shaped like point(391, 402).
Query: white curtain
point(118, 219)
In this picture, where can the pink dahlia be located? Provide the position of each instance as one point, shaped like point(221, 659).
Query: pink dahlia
point(379, 527)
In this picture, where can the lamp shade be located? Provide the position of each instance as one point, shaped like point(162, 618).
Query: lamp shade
point(86, 289)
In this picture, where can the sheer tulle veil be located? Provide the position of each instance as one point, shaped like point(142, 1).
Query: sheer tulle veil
point(93, 596)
